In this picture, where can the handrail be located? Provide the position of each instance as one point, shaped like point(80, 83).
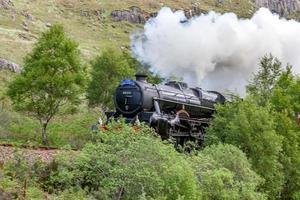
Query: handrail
point(186, 104)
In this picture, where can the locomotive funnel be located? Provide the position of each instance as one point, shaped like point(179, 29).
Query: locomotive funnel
point(141, 77)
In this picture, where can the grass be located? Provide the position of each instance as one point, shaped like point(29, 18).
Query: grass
point(16, 128)
point(93, 33)
point(69, 130)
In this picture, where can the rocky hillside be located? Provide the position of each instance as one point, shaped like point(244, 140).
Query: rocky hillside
point(286, 8)
point(98, 24)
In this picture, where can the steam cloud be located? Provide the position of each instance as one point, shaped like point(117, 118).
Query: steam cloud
point(216, 51)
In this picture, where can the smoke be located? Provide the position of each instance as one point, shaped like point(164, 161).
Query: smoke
point(216, 51)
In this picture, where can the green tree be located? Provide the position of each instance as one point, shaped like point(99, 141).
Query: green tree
point(107, 71)
point(224, 172)
point(285, 100)
point(281, 90)
point(252, 128)
point(52, 77)
point(264, 80)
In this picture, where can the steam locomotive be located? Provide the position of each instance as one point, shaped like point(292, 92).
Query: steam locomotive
point(172, 109)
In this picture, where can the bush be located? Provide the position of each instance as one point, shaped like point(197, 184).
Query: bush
point(78, 194)
point(20, 175)
point(224, 172)
point(252, 128)
point(127, 165)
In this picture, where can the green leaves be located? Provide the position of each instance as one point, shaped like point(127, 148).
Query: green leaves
point(263, 82)
point(264, 127)
point(128, 165)
point(107, 71)
point(250, 127)
point(52, 77)
point(224, 172)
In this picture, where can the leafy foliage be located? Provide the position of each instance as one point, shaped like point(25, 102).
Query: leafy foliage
point(52, 77)
point(224, 172)
point(127, 165)
point(129, 162)
point(18, 178)
point(285, 100)
point(252, 128)
point(264, 127)
point(107, 71)
point(264, 81)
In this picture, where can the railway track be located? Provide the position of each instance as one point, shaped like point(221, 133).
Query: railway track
point(30, 153)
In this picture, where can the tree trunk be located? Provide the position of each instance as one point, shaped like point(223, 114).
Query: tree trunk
point(44, 136)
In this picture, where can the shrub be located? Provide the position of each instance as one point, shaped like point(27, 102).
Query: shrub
point(127, 165)
point(224, 172)
point(252, 128)
point(20, 175)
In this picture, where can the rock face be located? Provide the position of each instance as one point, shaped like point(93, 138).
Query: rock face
point(137, 15)
point(8, 65)
point(133, 15)
point(281, 7)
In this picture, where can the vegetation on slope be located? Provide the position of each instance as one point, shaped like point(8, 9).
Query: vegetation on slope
point(252, 148)
point(126, 164)
point(88, 22)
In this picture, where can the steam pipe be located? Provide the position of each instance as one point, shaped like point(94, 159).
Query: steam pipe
point(157, 108)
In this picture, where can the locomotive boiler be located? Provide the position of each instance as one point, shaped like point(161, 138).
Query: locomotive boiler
point(172, 109)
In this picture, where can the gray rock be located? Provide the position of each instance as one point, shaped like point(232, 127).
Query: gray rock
point(25, 23)
point(48, 25)
point(193, 12)
point(133, 15)
point(27, 15)
point(93, 14)
point(281, 7)
point(137, 15)
point(8, 65)
point(85, 13)
point(6, 4)
point(26, 28)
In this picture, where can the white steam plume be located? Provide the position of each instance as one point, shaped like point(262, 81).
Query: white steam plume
point(216, 51)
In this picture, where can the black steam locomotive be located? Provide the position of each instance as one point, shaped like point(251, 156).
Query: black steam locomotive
point(172, 109)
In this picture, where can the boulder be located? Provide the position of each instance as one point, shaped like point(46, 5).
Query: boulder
point(8, 65)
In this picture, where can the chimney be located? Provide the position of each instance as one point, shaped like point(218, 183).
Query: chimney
point(141, 77)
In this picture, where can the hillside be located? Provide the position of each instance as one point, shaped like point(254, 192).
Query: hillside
point(94, 24)
point(98, 24)
point(163, 142)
